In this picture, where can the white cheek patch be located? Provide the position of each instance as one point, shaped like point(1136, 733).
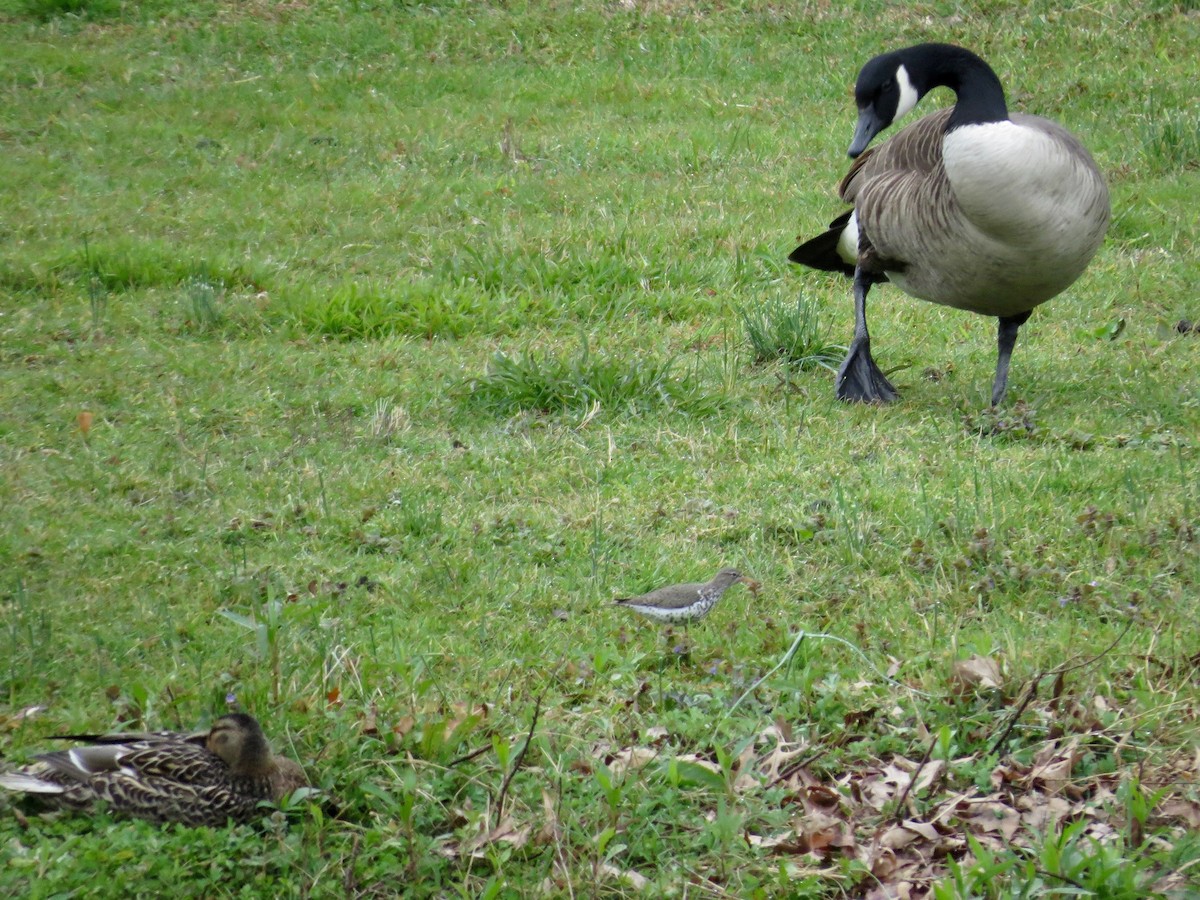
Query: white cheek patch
point(908, 94)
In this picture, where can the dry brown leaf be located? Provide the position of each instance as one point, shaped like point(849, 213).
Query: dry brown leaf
point(906, 858)
point(897, 837)
point(462, 712)
point(10, 722)
point(85, 423)
point(899, 890)
point(656, 734)
point(819, 831)
point(931, 772)
point(698, 760)
point(630, 877)
point(977, 672)
point(783, 730)
point(984, 816)
point(780, 843)
point(1187, 811)
point(745, 782)
point(1009, 774)
point(779, 758)
point(1042, 812)
point(926, 830)
point(882, 787)
point(1053, 765)
point(1175, 884)
point(884, 864)
point(631, 758)
point(821, 797)
point(551, 830)
point(505, 832)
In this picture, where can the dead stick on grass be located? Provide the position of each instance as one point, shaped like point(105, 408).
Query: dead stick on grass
point(537, 710)
point(915, 775)
point(1032, 687)
point(792, 768)
point(467, 757)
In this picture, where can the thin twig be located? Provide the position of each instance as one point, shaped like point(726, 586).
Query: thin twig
point(792, 768)
point(915, 775)
point(467, 757)
point(349, 882)
point(1060, 877)
point(1030, 693)
point(1031, 689)
point(537, 710)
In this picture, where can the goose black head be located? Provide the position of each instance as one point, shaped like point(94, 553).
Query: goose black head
point(891, 84)
point(885, 91)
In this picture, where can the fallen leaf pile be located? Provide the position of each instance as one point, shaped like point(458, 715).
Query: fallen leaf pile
point(901, 819)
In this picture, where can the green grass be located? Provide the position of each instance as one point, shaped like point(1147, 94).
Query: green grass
point(411, 334)
point(792, 333)
point(585, 383)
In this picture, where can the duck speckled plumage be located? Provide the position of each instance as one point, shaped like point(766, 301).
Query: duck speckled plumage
point(204, 778)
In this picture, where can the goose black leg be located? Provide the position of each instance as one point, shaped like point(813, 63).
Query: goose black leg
point(858, 378)
point(1006, 339)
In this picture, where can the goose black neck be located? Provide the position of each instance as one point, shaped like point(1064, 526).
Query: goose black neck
point(980, 94)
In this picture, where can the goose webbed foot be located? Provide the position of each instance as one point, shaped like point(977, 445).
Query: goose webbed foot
point(859, 380)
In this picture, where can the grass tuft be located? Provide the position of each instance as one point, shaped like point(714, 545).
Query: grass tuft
point(205, 300)
point(790, 332)
point(133, 265)
point(586, 381)
point(366, 311)
point(1173, 141)
point(45, 10)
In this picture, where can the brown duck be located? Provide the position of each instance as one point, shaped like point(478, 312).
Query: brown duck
point(206, 778)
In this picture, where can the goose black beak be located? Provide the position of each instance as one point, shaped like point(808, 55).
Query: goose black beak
point(869, 125)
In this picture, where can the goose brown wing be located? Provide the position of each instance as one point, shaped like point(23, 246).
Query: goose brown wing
point(916, 150)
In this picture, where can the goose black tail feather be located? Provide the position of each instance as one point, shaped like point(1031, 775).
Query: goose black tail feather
point(821, 252)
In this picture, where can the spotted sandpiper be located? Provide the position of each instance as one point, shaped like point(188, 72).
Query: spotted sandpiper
point(686, 602)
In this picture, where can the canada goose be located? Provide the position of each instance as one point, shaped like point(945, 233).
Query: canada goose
point(967, 207)
point(195, 779)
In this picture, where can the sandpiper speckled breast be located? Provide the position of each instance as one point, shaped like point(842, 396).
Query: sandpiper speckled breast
point(686, 602)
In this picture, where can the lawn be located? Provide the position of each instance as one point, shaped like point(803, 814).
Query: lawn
point(356, 355)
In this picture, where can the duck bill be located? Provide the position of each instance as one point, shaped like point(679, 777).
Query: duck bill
point(869, 125)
